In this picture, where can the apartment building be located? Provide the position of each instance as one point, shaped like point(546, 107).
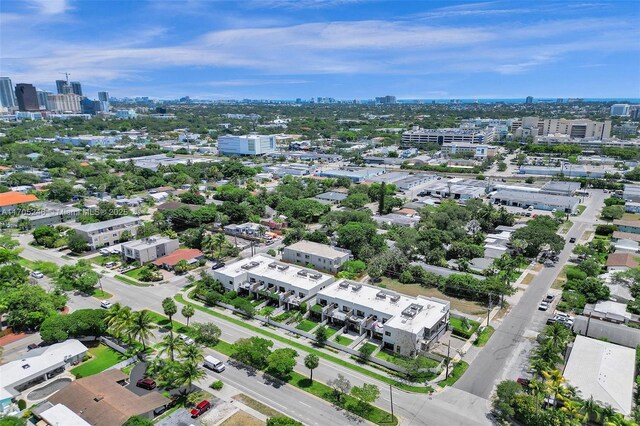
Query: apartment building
point(405, 325)
point(320, 256)
point(148, 249)
point(577, 128)
point(468, 150)
point(108, 232)
point(418, 136)
point(262, 275)
point(587, 144)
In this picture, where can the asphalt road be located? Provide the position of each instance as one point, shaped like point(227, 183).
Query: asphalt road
point(488, 367)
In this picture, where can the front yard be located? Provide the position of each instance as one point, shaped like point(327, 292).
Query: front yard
point(423, 361)
point(344, 341)
point(306, 325)
point(103, 357)
point(463, 327)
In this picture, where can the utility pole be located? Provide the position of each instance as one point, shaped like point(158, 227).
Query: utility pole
point(489, 309)
point(448, 360)
point(391, 397)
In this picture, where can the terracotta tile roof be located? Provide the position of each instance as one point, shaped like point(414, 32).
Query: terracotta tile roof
point(178, 255)
point(84, 164)
point(622, 259)
point(12, 198)
point(4, 168)
point(171, 205)
point(618, 235)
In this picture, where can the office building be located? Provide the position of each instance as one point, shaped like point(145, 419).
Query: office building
point(7, 94)
point(43, 100)
point(576, 128)
point(529, 100)
point(69, 103)
point(463, 149)
point(126, 113)
point(264, 276)
point(148, 249)
point(252, 144)
point(319, 256)
point(419, 136)
point(108, 232)
point(63, 87)
point(76, 88)
point(386, 100)
point(619, 110)
point(540, 201)
point(88, 140)
point(586, 144)
point(27, 97)
point(103, 96)
point(406, 325)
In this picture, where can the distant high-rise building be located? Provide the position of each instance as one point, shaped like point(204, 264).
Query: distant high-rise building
point(529, 100)
point(69, 102)
point(103, 96)
point(76, 88)
point(386, 100)
point(620, 110)
point(61, 86)
point(27, 97)
point(7, 95)
point(43, 99)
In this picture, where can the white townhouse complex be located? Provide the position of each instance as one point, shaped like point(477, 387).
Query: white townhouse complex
point(264, 276)
point(251, 144)
point(406, 325)
point(148, 249)
point(320, 256)
point(108, 232)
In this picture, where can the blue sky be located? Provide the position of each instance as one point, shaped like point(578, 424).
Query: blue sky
point(346, 49)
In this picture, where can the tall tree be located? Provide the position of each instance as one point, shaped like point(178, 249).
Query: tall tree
point(141, 327)
point(311, 361)
point(169, 307)
point(188, 311)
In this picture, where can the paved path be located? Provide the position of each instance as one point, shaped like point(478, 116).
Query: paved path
point(489, 365)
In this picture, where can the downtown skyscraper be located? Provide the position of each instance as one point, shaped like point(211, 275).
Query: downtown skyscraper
point(7, 95)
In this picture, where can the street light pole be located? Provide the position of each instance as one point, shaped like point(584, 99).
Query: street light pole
point(448, 360)
point(391, 398)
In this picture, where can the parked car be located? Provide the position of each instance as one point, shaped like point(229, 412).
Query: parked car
point(201, 408)
point(543, 306)
point(104, 251)
point(37, 274)
point(146, 384)
point(105, 304)
point(187, 340)
point(32, 346)
point(572, 240)
point(110, 265)
point(549, 298)
point(217, 265)
point(548, 263)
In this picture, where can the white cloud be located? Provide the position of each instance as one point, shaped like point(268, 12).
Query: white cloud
point(50, 7)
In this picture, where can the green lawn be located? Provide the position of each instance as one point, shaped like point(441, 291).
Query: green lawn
point(331, 331)
point(457, 372)
point(581, 208)
point(484, 336)
point(130, 281)
point(425, 362)
point(307, 349)
point(101, 294)
point(343, 340)
point(103, 358)
point(134, 273)
point(101, 260)
point(460, 329)
point(306, 325)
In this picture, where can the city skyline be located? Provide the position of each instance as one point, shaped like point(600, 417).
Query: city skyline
point(340, 48)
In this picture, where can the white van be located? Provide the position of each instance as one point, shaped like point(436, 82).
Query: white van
point(214, 364)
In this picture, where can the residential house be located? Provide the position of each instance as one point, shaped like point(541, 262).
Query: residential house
point(607, 310)
point(263, 275)
point(108, 232)
point(104, 400)
point(11, 201)
point(168, 262)
point(331, 197)
point(36, 367)
point(47, 214)
point(56, 415)
point(630, 226)
point(320, 256)
point(405, 325)
point(245, 229)
point(397, 219)
point(631, 207)
point(172, 205)
point(621, 261)
point(148, 249)
point(602, 370)
point(631, 193)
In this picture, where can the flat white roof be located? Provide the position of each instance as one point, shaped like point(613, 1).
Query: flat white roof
point(60, 414)
point(317, 249)
point(278, 271)
point(602, 370)
point(392, 304)
point(39, 361)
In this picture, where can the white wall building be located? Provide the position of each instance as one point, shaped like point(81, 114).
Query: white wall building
point(419, 136)
point(620, 110)
point(108, 232)
point(406, 325)
point(263, 275)
point(320, 256)
point(252, 144)
point(148, 249)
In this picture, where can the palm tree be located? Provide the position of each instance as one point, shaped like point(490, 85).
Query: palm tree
point(141, 326)
point(118, 320)
point(554, 381)
point(218, 241)
point(188, 311)
point(591, 410)
point(192, 353)
point(557, 335)
point(170, 344)
point(607, 413)
point(539, 365)
point(188, 373)
point(572, 409)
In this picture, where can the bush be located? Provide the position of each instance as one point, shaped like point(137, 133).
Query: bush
point(22, 404)
point(605, 230)
point(573, 273)
point(217, 385)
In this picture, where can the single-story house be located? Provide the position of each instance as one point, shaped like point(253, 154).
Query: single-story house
point(396, 219)
point(10, 201)
point(607, 310)
point(602, 370)
point(56, 415)
point(622, 261)
point(331, 197)
point(168, 262)
point(631, 207)
point(103, 400)
point(172, 205)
